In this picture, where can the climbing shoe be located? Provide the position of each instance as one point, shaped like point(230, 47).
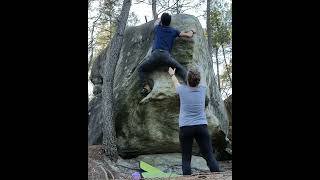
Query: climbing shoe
point(144, 92)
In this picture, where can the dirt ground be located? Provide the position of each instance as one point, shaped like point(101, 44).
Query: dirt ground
point(98, 169)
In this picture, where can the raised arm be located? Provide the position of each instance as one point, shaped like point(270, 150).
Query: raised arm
point(156, 22)
point(173, 77)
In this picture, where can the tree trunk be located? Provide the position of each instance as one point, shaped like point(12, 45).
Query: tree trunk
point(112, 56)
point(110, 27)
point(91, 59)
point(92, 49)
point(154, 9)
point(209, 29)
point(177, 6)
point(218, 69)
point(225, 61)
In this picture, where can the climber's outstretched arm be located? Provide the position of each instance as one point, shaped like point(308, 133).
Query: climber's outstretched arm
point(187, 34)
point(156, 22)
point(173, 77)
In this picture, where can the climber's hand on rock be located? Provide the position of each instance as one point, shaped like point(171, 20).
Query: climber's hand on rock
point(193, 30)
point(171, 71)
point(173, 78)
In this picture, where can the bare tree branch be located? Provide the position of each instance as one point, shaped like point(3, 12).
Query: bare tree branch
point(182, 11)
point(201, 15)
point(138, 2)
point(93, 17)
point(184, 4)
point(91, 43)
point(160, 9)
point(160, 3)
point(92, 39)
point(161, 6)
point(171, 7)
point(97, 19)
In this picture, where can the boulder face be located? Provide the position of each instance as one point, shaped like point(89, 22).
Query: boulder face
point(228, 105)
point(95, 120)
point(148, 125)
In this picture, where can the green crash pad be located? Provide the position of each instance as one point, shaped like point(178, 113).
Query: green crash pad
point(152, 172)
point(158, 175)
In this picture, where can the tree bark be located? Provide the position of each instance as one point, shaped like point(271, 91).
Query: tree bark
point(154, 9)
point(225, 61)
point(110, 27)
point(109, 134)
point(218, 68)
point(92, 49)
point(209, 29)
point(177, 6)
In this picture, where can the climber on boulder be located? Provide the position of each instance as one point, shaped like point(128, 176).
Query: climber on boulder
point(161, 51)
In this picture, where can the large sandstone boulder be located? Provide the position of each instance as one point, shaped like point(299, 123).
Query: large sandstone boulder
point(150, 125)
point(95, 120)
point(228, 105)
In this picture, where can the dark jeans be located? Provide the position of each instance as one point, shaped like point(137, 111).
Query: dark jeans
point(160, 58)
point(201, 134)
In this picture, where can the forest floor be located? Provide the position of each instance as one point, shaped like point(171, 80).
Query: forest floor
point(100, 168)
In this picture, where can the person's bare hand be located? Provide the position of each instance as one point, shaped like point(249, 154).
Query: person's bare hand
point(171, 71)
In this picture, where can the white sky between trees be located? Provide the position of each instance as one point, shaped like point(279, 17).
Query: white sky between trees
point(142, 10)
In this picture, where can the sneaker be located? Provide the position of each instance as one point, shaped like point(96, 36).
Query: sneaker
point(144, 92)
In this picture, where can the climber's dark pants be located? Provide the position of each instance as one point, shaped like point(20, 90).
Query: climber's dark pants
point(160, 58)
point(201, 134)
